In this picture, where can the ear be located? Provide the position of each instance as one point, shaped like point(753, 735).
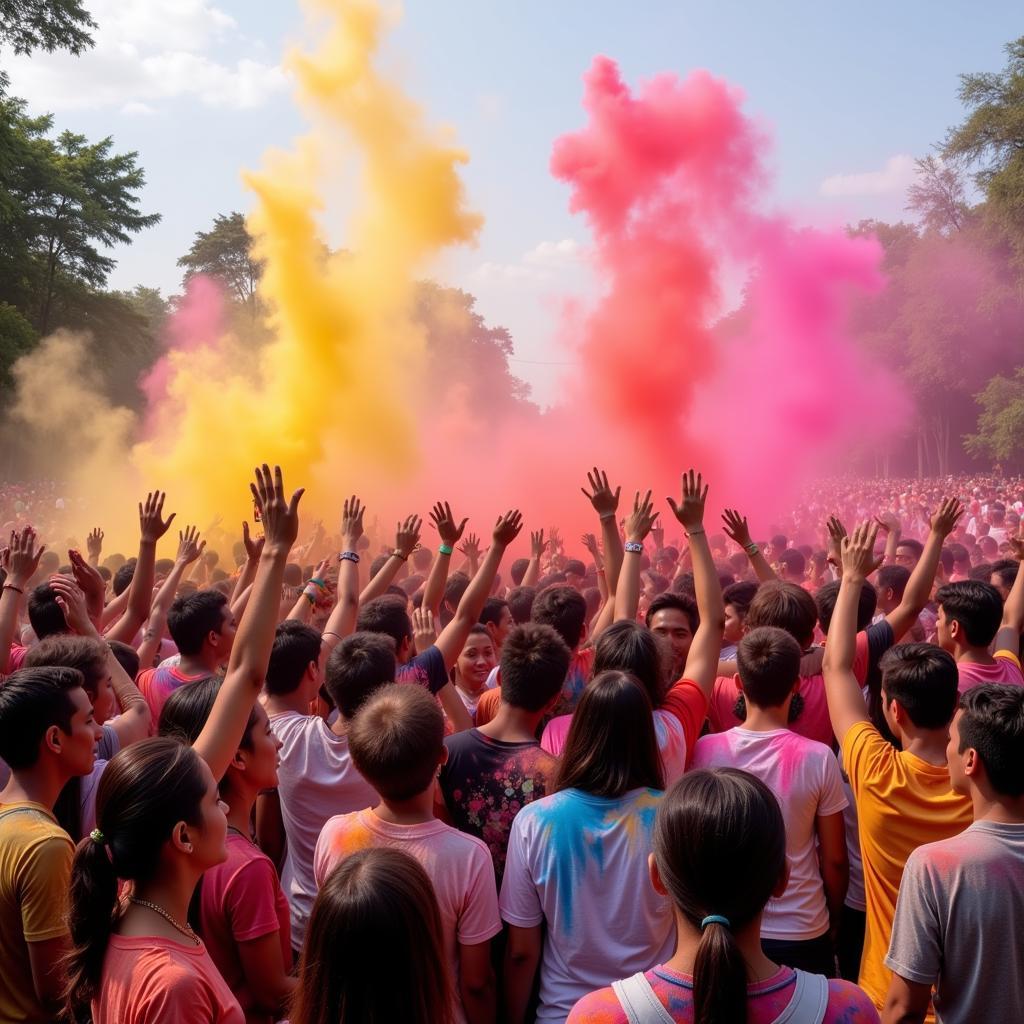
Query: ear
point(443, 758)
point(652, 870)
point(739, 683)
point(52, 739)
point(180, 838)
point(972, 764)
point(239, 760)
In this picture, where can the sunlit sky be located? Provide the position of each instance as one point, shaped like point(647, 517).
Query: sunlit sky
point(850, 93)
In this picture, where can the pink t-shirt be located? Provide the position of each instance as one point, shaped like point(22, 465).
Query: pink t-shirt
point(157, 684)
point(16, 658)
point(458, 865)
point(241, 900)
point(805, 778)
point(149, 979)
point(1005, 670)
point(812, 722)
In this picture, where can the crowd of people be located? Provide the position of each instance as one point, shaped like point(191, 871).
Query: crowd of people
point(685, 773)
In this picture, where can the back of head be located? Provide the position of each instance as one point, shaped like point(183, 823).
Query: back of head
point(785, 606)
point(396, 740)
point(894, 578)
point(916, 549)
point(490, 614)
point(992, 723)
point(127, 657)
point(768, 661)
point(825, 598)
point(793, 562)
point(680, 602)
point(740, 595)
point(1005, 570)
point(976, 606)
point(296, 647)
point(631, 648)
point(32, 701)
point(387, 615)
point(564, 610)
point(730, 873)
point(923, 679)
point(362, 663)
point(44, 614)
point(123, 577)
point(374, 946)
point(86, 654)
point(293, 575)
point(534, 663)
point(611, 746)
point(518, 570)
point(193, 617)
point(146, 790)
point(520, 603)
point(187, 708)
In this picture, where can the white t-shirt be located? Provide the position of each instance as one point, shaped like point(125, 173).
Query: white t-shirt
point(805, 778)
point(316, 779)
point(579, 863)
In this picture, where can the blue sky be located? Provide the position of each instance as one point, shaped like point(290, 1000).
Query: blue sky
point(850, 92)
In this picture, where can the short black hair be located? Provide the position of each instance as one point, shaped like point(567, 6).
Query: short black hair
point(126, 655)
point(976, 605)
point(193, 617)
point(387, 615)
point(565, 610)
point(31, 701)
point(517, 570)
point(44, 614)
point(681, 602)
point(915, 545)
point(534, 663)
point(768, 662)
point(520, 603)
point(123, 577)
point(786, 606)
point(825, 598)
point(794, 561)
point(1006, 569)
point(894, 578)
point(924, 680)
point(295, 646)
point(740, 595)
point(574, 566)
point(993, 724)
point(492, 609)
point(362, 663)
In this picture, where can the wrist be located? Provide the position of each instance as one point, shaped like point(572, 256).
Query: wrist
point(446, 550)
point(633, 547)
point(401, 555)
point(277, 552)
point(147, 542)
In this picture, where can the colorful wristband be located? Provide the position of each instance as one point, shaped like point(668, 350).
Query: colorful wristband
point(634, 547)
point(446, 549)
point(348, 556)
point(398, 554)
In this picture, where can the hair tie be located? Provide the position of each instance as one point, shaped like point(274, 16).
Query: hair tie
point(715, 919)
point(98, 837)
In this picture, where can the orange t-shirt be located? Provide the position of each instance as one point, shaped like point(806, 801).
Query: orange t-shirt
point(148, 979)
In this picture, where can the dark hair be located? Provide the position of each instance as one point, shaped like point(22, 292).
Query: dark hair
point(779, 541)
point(193, 617)
point(992, 723)
point(785, 606)
point(977, 606)
point(740, 595)
point(362, 663)
point(187, 708)
point(946, 560)
point(127, 657)
point(894, 578)
point(680, 602)
point(85, 653)
point(123, 576)
point(163, 566)
point(827, 594)
point(574, 566)
point(631, 648)
point(794, 561)
point(768, 662)
point(564, 610)
point(731, 871)
point(296, 645)
point(145, 791)
point(387, 615)
point(377, 564)
point(396, 740)
point(520, 603)
point(456, 586)
point(1006, 569)
point(917, 547)
point(923, 678)
point(33, 700)
point(44, 614)
point(982, 572)
point(534, 663)
point(105, 573)
point(376, 914)
point(611, 746)
point(685, 584)
point(518, 570)
point(492, 609)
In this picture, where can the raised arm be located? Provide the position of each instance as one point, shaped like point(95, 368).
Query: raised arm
point(253, 549)
point(737, 530)
point(407, 536)
point(846, 705)
point(638, 526)
point(606, 503)
point(342, 620)
point(140, 594)
point(890, 525)
point(94, 546)
point(467, 615)
point(21, 560)
point(1008, 637)
point(702, 661)
point(247, 666)
point(919, 586)
point(450, 533)
point(532, 573)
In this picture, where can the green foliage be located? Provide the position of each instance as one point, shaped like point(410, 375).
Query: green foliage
point(27, 25)
point(938, 196)
point(17, 337)
point(224, 252)
point(1000, 433)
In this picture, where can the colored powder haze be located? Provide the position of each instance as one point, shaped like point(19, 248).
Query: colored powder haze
point(671, 181)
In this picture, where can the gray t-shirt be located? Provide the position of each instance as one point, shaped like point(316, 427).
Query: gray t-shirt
point(960, 924)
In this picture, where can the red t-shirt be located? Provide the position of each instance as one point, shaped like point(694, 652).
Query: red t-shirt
point(157, 684)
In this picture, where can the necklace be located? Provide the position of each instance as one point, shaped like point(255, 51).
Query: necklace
point(185, 929)
point(239, 832)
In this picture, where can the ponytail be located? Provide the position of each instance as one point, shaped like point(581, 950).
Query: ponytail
point(719, 978)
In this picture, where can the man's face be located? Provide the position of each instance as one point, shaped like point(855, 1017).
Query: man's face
point(78, 747)
point(956, 760)
point(997, 581)
point(943, 635)
point(674, 628)
point(733, 625)
point(905, 556)
point(500, 629)
point(226, 635)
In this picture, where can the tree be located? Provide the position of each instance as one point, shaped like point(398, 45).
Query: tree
point(27, 25)
point(16, 338)
point(225, 252)
point(937, 196)
point(1000, 434)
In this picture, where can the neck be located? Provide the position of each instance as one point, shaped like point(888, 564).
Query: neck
point(513, 725)
point(748, 939)
point(766, 719)
point(928, 745)
point(470, 691)
point(40, 784)
point(414, 811)
point(995, 807)
point(973, 655)
point(205, 663)
point(280, 703)
point(240, 801)
point(171, 891)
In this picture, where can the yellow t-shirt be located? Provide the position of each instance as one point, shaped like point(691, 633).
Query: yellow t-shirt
point(902, 803)
point(35, 870)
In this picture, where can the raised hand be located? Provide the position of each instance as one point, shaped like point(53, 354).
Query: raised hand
point(554, 540)
point(423, 632)
point(537, 543)
point(94, 545)
point(470, 547)
point(1016, 548)
point(601, 496)
point(858, 551)
point(690, 510)
point(352, 522)
point(407, 535)
point(507, 528)
point(836, 533)
point(641, 519)
point(950, 512)
point(72, 603)
point(658, 536)
point(151, 517)
point(280, 516)
point(888, 522)
point(91, 583)
point(736, 528)
point(189, 545)
point(21, 556)
point(444, 522)
point(590, 543)
point(253, 545)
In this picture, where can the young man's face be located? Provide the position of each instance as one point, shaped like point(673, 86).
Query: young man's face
point(943, 634)
point(733, 625)
point(226, 635)
point(78, 747)
point(906, 558)
point(674, 628)
point(956, 760)
point(500, 629)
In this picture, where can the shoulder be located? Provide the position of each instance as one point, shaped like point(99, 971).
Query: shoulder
point(600, 1007)
point(849, 1004)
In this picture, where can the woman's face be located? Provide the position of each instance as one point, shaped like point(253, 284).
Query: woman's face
point(475, 662)
point(103, 701)
point(263, 752)
point(209, 839)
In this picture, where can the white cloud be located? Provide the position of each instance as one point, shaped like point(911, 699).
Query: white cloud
point(540, 264)
point(488, 105)
point(894, 177)
point(147, 51)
